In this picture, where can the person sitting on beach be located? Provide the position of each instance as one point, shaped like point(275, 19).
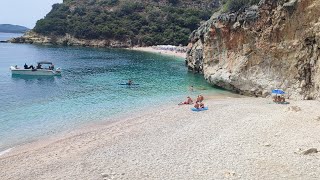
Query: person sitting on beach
point(200, 98)
point(279, 99)
point(275, 98)
point(201, 105)
point(197, 105)
point(25, 66)
point(188, 101)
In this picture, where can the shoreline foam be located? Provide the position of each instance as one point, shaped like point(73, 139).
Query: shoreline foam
point(5, 151)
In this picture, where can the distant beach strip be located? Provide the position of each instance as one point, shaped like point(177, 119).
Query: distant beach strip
point(175, 51)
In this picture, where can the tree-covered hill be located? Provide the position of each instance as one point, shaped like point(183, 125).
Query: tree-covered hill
point(9, 28)
point(142, 22)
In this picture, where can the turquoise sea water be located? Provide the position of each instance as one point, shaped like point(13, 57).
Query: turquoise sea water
point(88, 90)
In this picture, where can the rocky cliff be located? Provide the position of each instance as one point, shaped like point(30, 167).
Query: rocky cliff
point(256, 49)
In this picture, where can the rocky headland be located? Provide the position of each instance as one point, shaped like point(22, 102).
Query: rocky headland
point(32, 37)
point(275, 44)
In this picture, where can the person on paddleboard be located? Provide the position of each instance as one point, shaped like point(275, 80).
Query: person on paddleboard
point(130, 82)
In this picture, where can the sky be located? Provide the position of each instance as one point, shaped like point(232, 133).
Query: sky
point(24, 12)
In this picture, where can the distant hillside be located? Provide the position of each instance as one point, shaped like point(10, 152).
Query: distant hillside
point(140, 22)
point(9, 28)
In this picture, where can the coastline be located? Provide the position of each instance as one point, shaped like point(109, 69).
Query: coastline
point(238, 138)
point(160, 51)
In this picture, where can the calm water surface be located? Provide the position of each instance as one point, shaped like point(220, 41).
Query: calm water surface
point(88, 90)
point(7, 36)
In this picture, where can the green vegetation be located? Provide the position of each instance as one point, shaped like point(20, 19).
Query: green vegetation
point(140, 23)
point(235, 5)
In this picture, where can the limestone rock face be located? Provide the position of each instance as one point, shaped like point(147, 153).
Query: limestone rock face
point(273, 45)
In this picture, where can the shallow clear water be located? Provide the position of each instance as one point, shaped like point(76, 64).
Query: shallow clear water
point(88, 90)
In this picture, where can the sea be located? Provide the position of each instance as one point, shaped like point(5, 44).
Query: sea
point(88, 91)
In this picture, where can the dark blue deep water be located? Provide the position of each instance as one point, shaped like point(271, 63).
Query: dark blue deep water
point(88, 90)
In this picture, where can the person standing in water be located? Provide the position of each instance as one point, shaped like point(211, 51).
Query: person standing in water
point(191, 88)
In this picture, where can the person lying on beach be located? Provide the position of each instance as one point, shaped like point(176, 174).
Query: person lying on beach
point(279, 99)
point(188, 101)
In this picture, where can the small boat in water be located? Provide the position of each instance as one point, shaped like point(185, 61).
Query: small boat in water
point(44, 68)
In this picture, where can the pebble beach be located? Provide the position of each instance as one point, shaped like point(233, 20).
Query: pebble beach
point(160, 51)
point(237, 138)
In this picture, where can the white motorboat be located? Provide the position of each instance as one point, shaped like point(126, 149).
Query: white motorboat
point(44, 68)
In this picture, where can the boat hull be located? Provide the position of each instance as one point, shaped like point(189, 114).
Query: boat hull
point(35, 72)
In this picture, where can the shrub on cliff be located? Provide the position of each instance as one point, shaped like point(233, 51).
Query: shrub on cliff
point(235, 5)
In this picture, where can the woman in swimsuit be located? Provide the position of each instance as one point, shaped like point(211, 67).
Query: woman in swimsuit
point(188, 101)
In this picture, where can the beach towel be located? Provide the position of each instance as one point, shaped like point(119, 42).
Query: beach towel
point(282, 102)
point(200, 109)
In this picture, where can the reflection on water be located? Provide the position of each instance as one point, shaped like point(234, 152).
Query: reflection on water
point(34, 79)
point(31, 77)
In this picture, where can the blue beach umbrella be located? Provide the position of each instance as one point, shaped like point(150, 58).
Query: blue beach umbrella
point(277, 91)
